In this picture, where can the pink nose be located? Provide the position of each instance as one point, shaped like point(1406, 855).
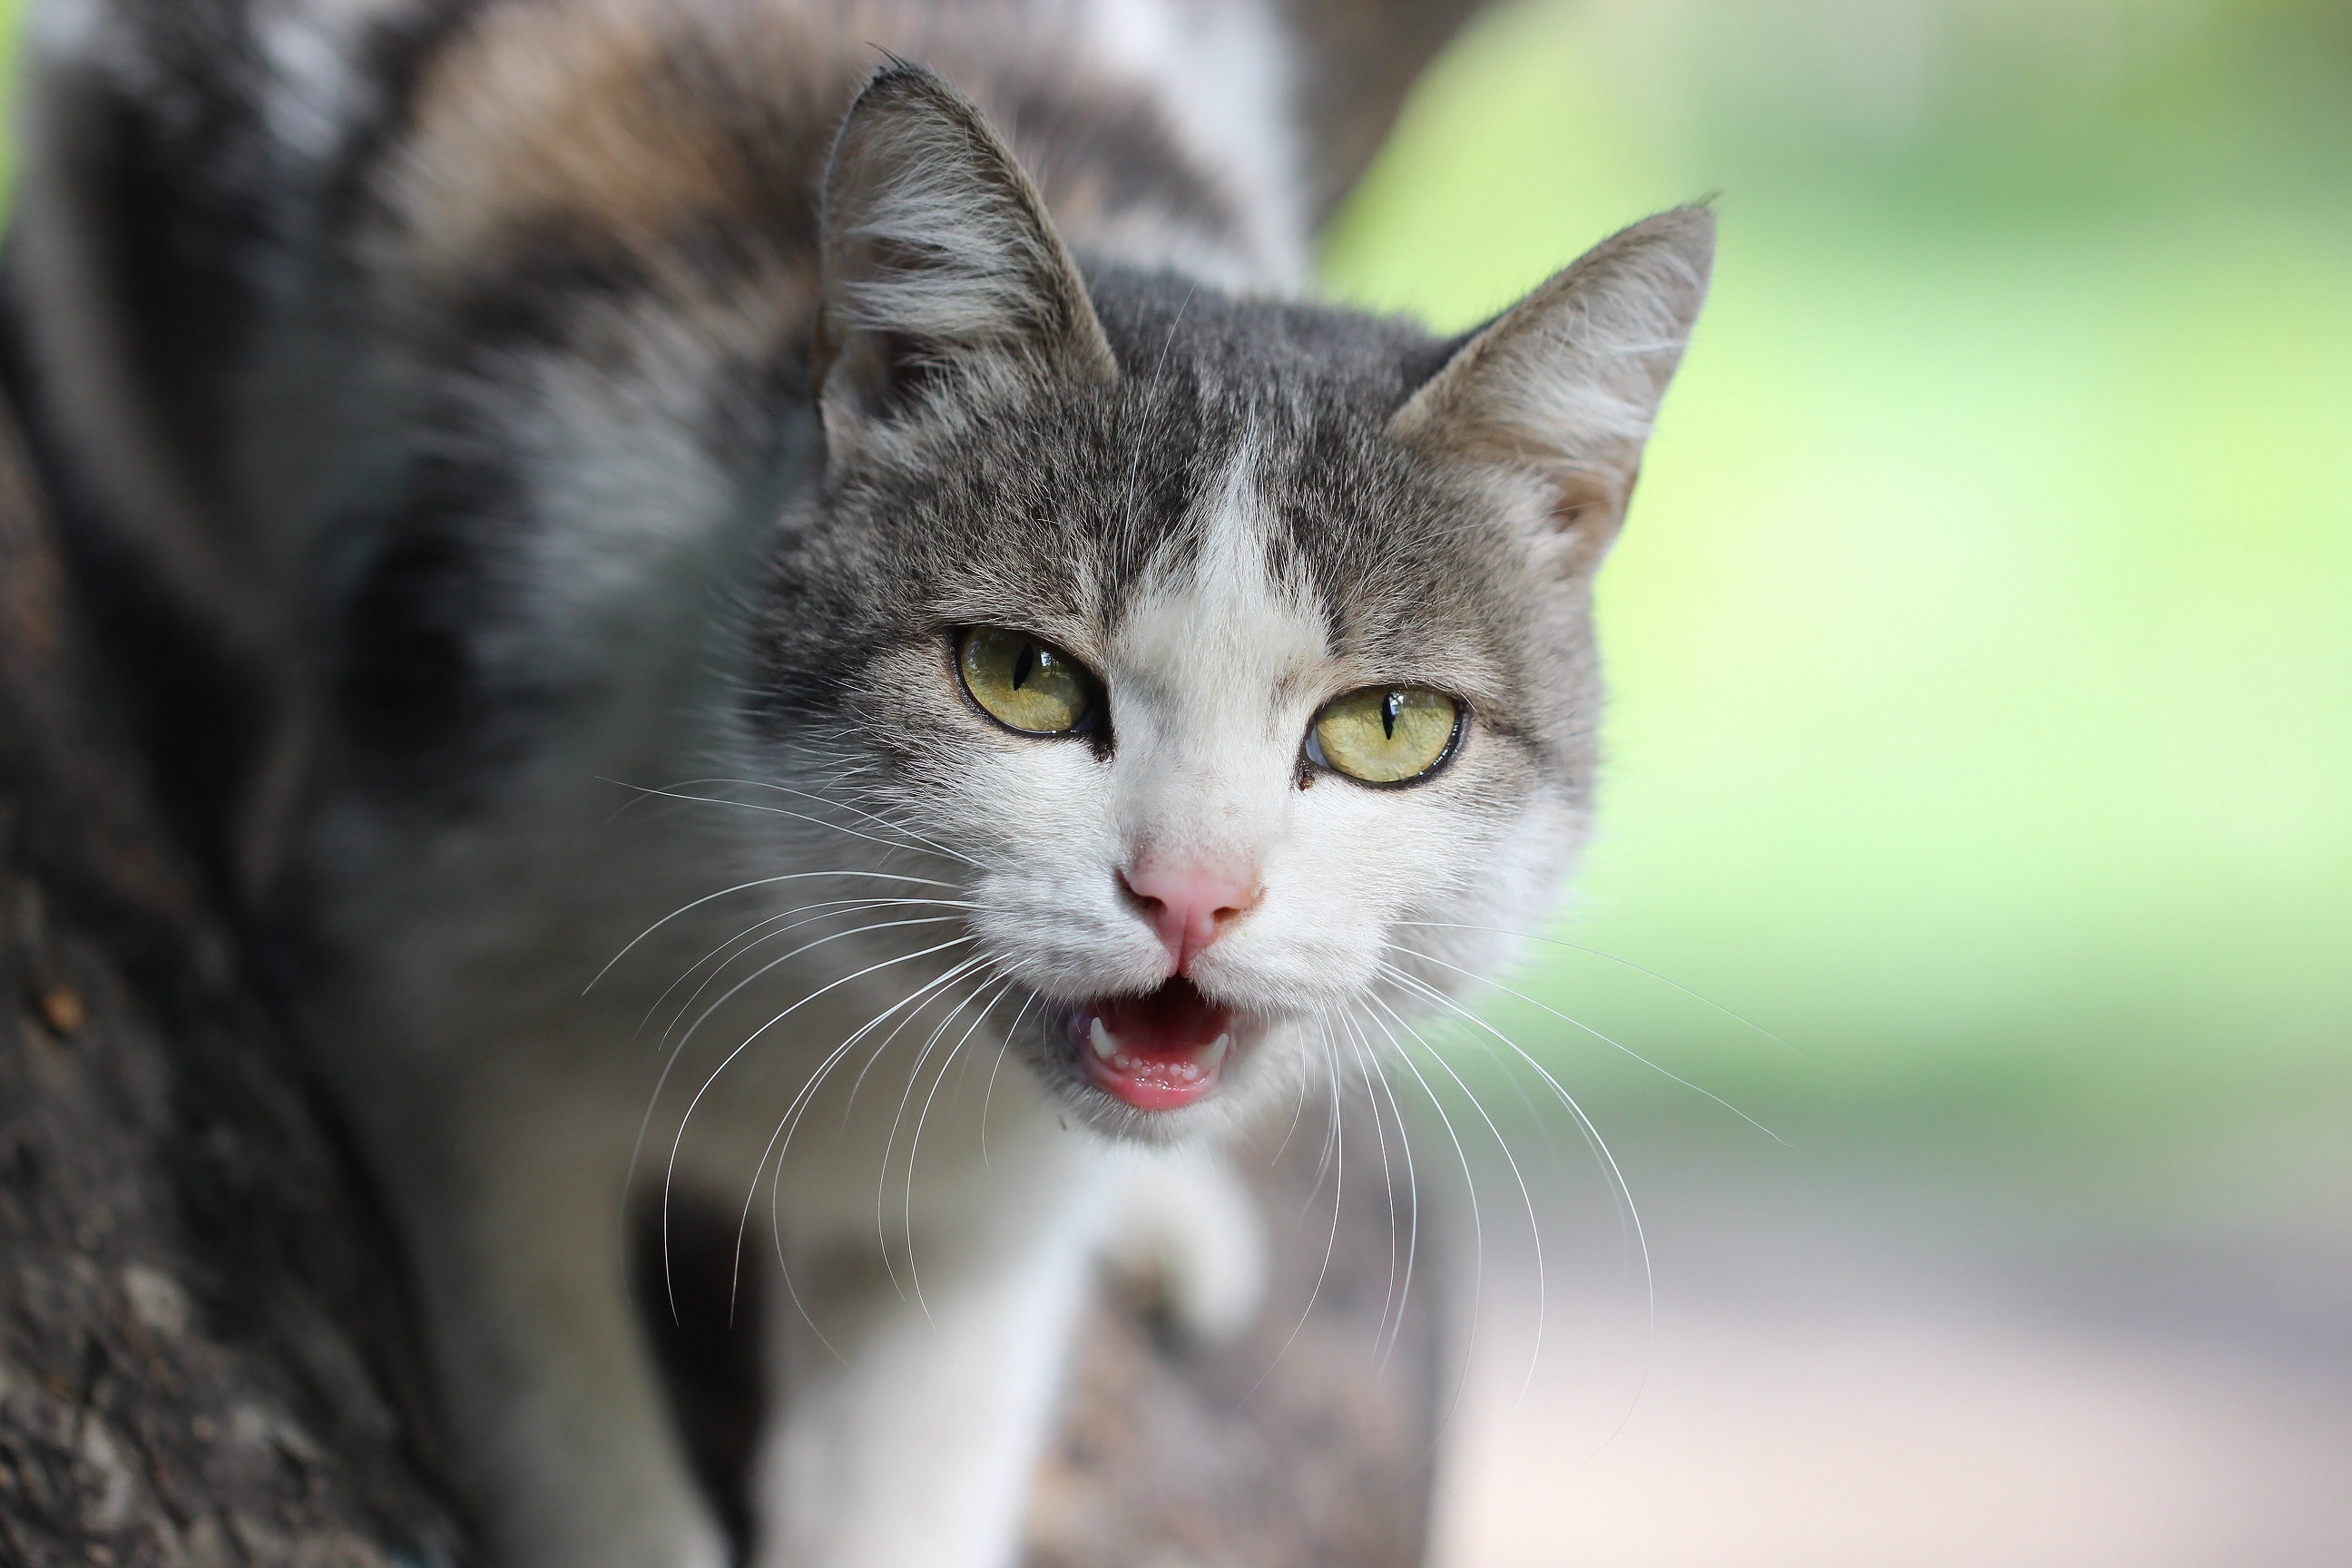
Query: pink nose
point(1188, 908)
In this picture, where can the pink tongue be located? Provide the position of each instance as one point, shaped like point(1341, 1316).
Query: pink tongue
point(1156, 1052)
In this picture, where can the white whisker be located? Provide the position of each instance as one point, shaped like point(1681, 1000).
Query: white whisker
point(1612, 1179)
point(915, 1143)
point(1601, 1151)
point(780, 1141)
point(1388, 1177)
point(1699, 996)
point(1336, 1147)
point(1604, 1039)
point(670, 1176)
point(744, 941)
point(1477, 1218)
point(677, 1054)
point(882, 1182)
point(922, 841)
point(1297, 1111)
point(989, 1097)
point(1535, 1226)
point(788, 1125)
point(774, 963)
point(745, 887)
point(797, 816)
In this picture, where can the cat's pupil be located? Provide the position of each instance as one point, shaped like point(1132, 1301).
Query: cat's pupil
point(1390, 706)
point(1025, 665)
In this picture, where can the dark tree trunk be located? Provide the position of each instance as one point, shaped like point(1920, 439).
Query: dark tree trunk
point(1360, 59)
point(206, 1352)
point(205, 1355)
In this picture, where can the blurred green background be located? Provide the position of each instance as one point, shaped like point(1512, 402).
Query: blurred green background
point(1982, 639)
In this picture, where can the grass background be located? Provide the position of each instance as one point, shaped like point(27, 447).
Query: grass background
point(1982, 637)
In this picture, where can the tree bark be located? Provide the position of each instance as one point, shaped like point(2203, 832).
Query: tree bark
point(205, 1353)
point(1310, 1443)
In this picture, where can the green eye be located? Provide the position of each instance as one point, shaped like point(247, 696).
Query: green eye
point(1384, 735)
point(1025, 684)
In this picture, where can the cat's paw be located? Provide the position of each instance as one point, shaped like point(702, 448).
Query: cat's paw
point(1187, 1233)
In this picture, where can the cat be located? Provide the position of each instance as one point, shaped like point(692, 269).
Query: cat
point(1068, 689)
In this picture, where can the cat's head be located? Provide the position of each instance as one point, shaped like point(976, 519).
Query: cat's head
point(1232, 658)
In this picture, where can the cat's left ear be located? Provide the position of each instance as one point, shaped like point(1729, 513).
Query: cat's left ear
point(1563, 386)
point(943, 276)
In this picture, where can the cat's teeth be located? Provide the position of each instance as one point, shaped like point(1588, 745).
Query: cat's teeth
point(1100, 1038)
point(1216, 1051)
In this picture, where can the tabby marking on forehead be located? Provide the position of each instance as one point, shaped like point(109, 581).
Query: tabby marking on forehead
point(1209, 668)
point(1215, 624)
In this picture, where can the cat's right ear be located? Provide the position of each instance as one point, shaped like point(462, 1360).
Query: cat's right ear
point(942, 274)
point(1560, 391)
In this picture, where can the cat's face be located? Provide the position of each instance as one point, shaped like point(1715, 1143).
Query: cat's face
point(1233, 660)
point(1081, 642)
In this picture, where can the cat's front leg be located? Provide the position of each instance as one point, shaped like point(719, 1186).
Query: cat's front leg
point(1185, 1232)
point(912, 1429)
point(553, 1399)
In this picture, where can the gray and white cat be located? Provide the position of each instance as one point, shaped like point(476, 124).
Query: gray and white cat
point(1086, 690)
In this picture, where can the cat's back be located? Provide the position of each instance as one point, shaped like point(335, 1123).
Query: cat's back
point(231, 210)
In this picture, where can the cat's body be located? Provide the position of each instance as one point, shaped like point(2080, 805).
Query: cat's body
point(466, 390)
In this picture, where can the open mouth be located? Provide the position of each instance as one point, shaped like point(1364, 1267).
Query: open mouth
point(1156, 1052)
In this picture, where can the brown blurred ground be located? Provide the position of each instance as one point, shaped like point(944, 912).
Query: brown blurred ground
point(1881, 1351)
